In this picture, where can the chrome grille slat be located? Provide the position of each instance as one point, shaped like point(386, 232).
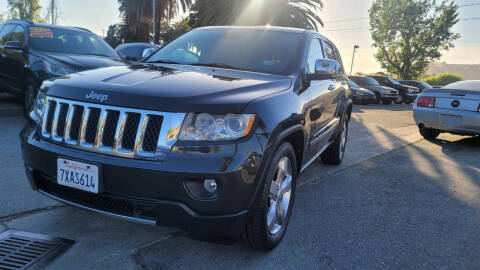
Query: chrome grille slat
point(76, 118)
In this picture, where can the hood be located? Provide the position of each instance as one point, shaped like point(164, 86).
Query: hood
point(362, 90)
point(84, 62)
point(169, 88)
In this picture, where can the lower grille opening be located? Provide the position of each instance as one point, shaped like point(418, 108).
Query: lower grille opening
point(124, 207)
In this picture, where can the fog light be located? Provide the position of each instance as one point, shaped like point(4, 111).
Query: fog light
point(210, 185)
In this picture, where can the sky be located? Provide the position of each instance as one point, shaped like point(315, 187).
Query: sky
point(346, 24)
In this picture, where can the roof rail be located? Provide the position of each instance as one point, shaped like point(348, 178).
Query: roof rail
point(22, 20)
point(81, 28)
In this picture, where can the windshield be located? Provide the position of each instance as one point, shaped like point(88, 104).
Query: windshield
point(371, 81)
point(392, 81)
point(69, 41)
point(354, 85)
point(262, 51)
point(426, 85)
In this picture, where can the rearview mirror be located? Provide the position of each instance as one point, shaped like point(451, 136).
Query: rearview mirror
point(14, 45)
point(326, 69)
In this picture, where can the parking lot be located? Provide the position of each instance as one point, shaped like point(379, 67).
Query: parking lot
point(397, 202)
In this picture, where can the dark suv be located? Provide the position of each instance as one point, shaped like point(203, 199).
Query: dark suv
point(407, 94)
point(31, 53)
point(208, 134)
point(382, 93)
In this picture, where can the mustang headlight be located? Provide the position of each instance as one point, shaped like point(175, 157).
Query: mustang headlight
point(58, 70)
point(208, 127)
point(37, 112)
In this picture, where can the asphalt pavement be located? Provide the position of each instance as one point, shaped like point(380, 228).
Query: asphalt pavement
point(397, 202)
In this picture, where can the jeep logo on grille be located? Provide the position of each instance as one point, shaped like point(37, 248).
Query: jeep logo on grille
point(96, 96)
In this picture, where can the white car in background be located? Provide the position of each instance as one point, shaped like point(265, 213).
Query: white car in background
point(453, 109)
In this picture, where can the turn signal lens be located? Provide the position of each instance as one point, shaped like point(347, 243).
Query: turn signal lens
point(428, 102)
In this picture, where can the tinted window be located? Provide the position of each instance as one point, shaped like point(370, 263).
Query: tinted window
point(329, 51)
point(315, 52)
point(134, 52)
point(6, 33)
point(264, 51)
point(19, 34)
point(354, 85)
point(371, 81)
point(426, 85)
point(392, 81)
point(69, 41)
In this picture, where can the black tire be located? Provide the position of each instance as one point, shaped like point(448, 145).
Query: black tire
point(377, 98)
point(408, 102)
point(29, 96)
point(387, 101)
point(335, 153)
point(256, 233)
point(428, 133)
point(399, 100)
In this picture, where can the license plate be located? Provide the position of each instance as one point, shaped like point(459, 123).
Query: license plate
point(451, 120)
point(77, 175)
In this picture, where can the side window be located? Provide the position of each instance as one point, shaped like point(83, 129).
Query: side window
point(6, 33)
point(329, 51)
point(314, 53)
point(19, 34)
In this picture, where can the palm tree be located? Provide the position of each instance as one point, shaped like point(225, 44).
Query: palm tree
point(137, 16)
point(291, 13)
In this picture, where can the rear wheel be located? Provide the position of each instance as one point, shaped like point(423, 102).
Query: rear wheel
point(428, 133)
point(336, 151)
point(271, 211)
point(31, 90)
point(377, 98)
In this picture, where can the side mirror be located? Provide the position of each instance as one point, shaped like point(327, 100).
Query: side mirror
point(147, 52)
point(14, 45)
point(326, 69)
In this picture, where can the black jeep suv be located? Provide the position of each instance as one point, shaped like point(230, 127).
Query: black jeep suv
point(407, 94)
point(31, 53)
point(208, 134)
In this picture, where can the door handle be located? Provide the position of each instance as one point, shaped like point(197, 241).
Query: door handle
point(331, 87)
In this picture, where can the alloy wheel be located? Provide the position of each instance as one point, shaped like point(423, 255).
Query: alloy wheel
point(279, 197)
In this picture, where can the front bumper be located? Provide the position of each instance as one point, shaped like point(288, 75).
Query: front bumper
point(454, 121)
point(363, 99)
point(161, 193)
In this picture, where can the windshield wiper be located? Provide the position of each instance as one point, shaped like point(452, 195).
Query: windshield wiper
point(162, 62)
point(217, 65)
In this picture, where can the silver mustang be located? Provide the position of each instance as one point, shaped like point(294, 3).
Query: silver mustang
point(453, 109)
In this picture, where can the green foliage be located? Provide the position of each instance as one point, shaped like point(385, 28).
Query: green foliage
point(173, 31)
point(115, 35)
point(410, 34)
point(442, 79)
point(25, 9)
point(138, 17)
point(1, 18)
point(290, 13)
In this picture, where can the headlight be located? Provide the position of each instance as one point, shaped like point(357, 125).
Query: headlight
point(58, 70)
point(37, 112)
point(208, 127)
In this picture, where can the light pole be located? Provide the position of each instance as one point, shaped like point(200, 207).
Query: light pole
point(353, 57)
point(154, 21)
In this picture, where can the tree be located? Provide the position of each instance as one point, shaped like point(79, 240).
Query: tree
point(25, 9)
point(171, 32)
point(137, 16)
point(115, 35)
point(410, 34)
point(290, 13)
point(442, 79)
point(1, 18)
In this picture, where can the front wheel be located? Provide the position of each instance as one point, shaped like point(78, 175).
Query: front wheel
point(399, 100)
point(387, 101)
point(31, 89)
point(336, 151)
point(271, 211)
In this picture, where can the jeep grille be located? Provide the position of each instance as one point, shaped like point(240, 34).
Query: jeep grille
point(131, 133)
